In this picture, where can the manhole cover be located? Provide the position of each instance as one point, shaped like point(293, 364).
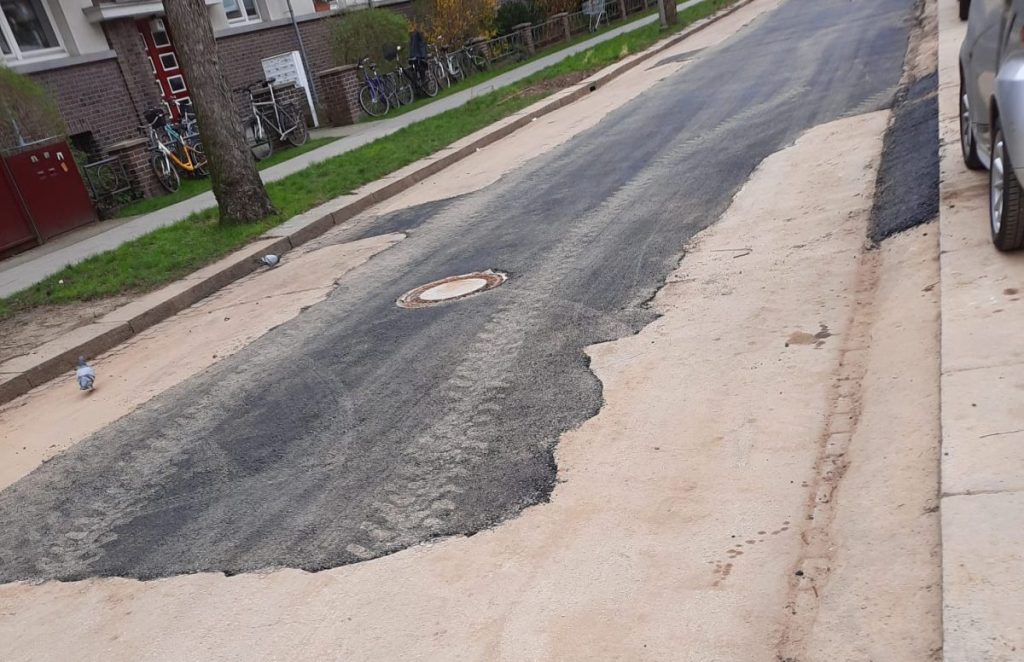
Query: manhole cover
point(451, 288)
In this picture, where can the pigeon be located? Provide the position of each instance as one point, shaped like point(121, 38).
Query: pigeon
point(86, 375)
point(270, 260)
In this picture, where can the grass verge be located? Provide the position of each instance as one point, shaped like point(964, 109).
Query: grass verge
point(177, 250)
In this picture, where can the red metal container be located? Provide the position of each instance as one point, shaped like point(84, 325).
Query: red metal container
point(51, 188)
point(15, 227)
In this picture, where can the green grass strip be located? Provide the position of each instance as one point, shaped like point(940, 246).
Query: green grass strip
point(177, 250)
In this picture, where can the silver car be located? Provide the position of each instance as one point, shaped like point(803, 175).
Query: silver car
point(992, 111)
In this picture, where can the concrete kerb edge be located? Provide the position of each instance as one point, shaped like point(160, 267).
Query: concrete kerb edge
point(49, 368)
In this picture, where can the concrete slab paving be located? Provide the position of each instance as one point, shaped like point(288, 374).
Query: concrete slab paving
point(983, 448)
point(983, 577)
point(982, 389)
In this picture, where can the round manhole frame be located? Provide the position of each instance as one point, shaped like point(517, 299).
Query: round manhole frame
point(414, 298)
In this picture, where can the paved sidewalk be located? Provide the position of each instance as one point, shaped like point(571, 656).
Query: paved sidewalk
point(43, 263)
point(982, 386)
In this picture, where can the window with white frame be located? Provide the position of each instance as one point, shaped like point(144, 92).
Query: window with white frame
point(241, 11)
point(26, 30)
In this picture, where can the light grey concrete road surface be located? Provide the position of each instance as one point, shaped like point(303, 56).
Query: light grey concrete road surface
point(698, 422)
point(31, 269)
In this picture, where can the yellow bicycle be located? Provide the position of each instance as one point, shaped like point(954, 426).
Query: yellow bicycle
point(187, 154)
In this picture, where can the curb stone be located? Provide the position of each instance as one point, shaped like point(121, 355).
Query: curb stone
point(22, 373)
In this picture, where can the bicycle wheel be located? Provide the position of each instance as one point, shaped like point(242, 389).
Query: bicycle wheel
point(391, 89)
point(440, 75)
point(465, 64)
point(404, 90)
point(455, 69)
point(480, 63)
point(429, 84)
point(257, 139)
point(165, 172)
point(104, 179)
point(290, 116)
point(373, 102)
point(198, 158)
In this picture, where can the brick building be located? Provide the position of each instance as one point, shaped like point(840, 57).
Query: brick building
point(106, 61)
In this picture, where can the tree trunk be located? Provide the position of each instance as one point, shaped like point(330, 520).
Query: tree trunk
point(671, 13)
point(236, 182)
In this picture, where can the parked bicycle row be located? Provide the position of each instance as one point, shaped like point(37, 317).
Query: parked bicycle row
point(427, 71)
point(176, 148)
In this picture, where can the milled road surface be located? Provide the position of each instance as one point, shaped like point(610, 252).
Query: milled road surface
point(360, 428)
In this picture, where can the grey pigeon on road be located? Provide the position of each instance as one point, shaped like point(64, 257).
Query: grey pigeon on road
point(86, 375)
point(270, 260)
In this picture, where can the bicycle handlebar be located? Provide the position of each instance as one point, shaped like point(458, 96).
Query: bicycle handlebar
point(267, 82)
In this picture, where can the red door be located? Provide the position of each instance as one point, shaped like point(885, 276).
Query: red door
point(15, 229)
point(164, 61)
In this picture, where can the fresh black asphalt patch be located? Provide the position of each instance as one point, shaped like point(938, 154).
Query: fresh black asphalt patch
point(907, 188)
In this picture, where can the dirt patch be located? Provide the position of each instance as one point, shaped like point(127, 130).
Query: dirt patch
point(22, 332)
point(553, 84)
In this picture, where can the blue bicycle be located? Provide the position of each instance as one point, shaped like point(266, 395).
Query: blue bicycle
point(375, 94)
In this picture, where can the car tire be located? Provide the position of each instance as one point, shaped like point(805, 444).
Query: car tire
point(1006, 196)
point(965, 9)
point(968, 145)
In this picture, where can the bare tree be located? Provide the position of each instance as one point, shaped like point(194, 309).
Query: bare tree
point(236, 182)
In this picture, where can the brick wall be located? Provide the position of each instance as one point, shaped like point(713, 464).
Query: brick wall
point(340, 96)
point(93, 97)
point(241, 56)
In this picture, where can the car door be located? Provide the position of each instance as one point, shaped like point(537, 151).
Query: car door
point(985, 29)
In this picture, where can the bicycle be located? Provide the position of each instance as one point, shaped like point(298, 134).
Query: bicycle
point(374, 95)
point(187, 122)
point(187, 155)
point(445, 66)
point(281, 118)
point(399, 84)
point(421, 76)
point(473, 60)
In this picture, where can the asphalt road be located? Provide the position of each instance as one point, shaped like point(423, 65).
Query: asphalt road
point(359, 428)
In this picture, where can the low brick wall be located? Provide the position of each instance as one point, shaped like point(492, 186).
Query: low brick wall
point(134, 154)
point(340, 94)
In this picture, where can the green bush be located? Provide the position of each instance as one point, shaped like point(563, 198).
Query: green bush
point(368, 33)
point(511, 14)
point(27, 112)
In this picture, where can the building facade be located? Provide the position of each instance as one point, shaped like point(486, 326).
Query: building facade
point(106, 62)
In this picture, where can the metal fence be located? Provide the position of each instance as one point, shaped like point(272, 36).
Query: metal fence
point(634, 6)
point(579, 22)
point(508, 48)
point(109, 184)
point(547, 33)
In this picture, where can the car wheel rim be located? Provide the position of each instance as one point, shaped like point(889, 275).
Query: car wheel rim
point(996, 177)
point(965, 123)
